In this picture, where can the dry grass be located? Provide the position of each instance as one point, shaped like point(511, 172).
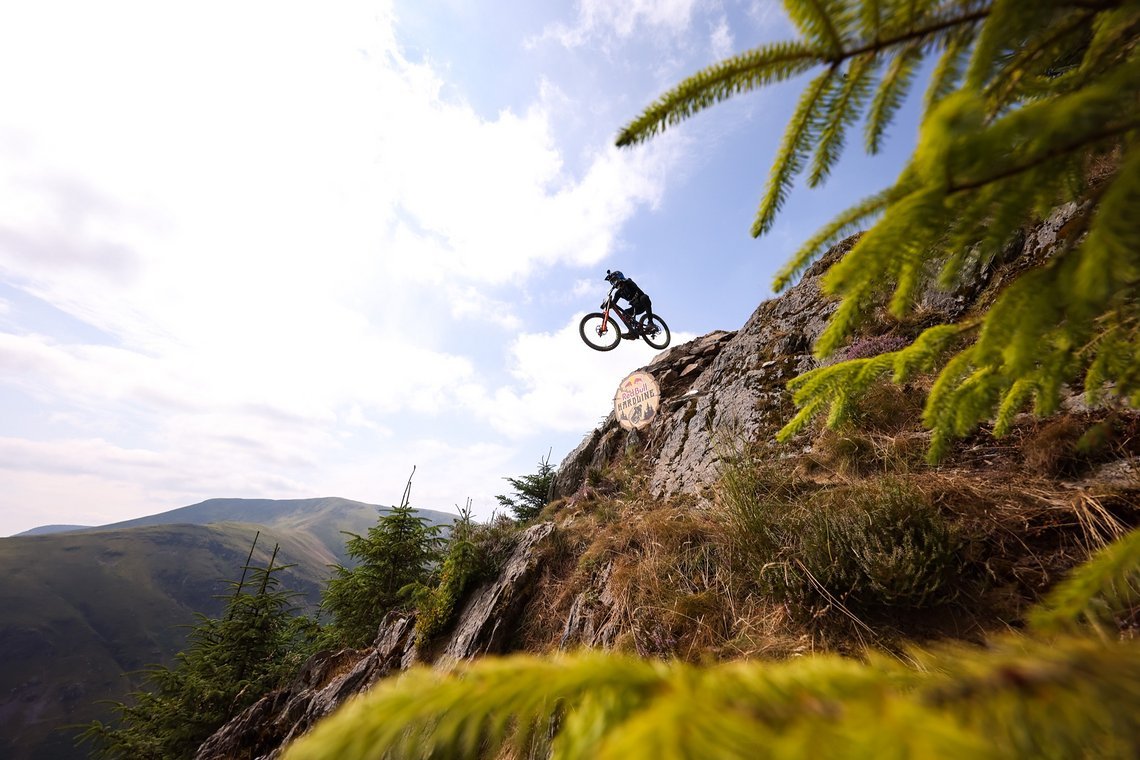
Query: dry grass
point(883, 436)
point(652, 578)
point(1051, 449)
point(680, 579)
point(1018, 531)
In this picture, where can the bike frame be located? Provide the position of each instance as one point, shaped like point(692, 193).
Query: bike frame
point(650, 328)
point(611, 306)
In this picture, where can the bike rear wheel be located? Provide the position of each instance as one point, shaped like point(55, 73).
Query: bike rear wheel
point(600, 332)
point(654, 331)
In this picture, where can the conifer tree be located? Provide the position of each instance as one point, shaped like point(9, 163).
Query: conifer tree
point(396, 559)
point(531, 492)
point(1023, 99)
point(230, 662)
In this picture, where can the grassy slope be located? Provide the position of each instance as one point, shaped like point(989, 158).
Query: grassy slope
point(79, 610)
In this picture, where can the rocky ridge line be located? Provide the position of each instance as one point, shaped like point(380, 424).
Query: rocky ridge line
point(717, 389)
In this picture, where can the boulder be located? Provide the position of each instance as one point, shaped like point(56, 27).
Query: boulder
point(484, 626)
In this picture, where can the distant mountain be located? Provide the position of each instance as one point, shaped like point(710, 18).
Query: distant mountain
point(43, 530)
point(83, 608)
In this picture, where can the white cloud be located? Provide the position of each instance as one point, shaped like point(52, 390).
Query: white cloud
point(583, 287)
point(559, 383)
point(357, 179)
point(721, 40)
point(38, 498)
point(273, 235)
point(96, 482)
point(770, 18)
point(606, 18)
point(486, 202)
point(76, 457)
point(469, 303)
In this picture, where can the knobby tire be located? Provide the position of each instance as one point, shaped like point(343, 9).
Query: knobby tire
point(589, 326)
point(661, 338)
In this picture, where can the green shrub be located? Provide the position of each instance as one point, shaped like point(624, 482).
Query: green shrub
point(876, 544)
point(531, 492)
point(871, 546)
point(756, 495)
point(230, 662)
point(475, 553)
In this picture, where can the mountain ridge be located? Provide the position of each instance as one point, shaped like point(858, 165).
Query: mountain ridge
point(219, 509)
point(82, 611)
point(636, 551)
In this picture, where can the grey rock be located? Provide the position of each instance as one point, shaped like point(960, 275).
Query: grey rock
point(592, 620)
point(328, 679)
point(487, 620)
point(1122, 475)
point(324, 683)
point(717, 389)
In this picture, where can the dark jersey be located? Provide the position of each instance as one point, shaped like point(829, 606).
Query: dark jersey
point(628, 290)
point(636, 297)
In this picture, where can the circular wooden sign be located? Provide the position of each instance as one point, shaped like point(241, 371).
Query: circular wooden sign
point(636, 401)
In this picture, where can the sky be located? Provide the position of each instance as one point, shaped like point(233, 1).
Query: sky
point(293, 249)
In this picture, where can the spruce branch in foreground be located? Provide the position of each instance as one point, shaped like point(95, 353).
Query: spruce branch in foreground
point(1022, 98)
point(1017, 698)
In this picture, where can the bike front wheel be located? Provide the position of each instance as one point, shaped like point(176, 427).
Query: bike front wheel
point(654, 331)
point(600, 332)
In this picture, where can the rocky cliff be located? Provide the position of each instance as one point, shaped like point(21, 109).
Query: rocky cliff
point(566, 586)
point(721, 381)
point(484, 626)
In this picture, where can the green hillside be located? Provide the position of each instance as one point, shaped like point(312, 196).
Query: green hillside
point(79, 610)
point(324, 518)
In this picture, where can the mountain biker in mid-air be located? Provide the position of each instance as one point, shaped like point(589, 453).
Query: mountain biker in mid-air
point(627, 289)
point(600, 329)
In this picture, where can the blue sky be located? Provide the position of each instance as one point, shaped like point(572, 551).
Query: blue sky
point(282, 249)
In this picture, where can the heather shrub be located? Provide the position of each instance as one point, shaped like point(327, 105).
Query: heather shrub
point(879, 544)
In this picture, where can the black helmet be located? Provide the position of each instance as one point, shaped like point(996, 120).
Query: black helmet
point(613, 278)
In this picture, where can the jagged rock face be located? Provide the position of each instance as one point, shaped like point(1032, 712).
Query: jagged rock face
point(486, 621)
point(725, 387)
point(326, 681)
point(484, 626)
point(593, 620)
point(717, 389)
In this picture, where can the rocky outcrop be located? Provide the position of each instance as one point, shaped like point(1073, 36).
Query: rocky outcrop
point(484, 626)
point(593, 617)
point(325, 682)
point(727, 387)
point(716, 389)
point(486, 622)
point(675, 372)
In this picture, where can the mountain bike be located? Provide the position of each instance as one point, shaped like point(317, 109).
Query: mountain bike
point(600, 331)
